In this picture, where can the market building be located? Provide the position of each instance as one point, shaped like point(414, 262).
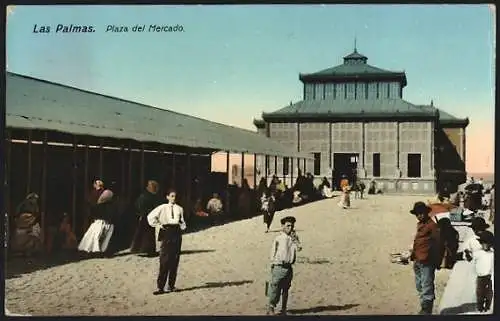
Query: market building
point(355, 121)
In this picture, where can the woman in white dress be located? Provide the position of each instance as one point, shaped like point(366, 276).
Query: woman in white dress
point(98, 236)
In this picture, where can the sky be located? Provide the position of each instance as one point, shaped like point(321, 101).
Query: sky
point(231, 63)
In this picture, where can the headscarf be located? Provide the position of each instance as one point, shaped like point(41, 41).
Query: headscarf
point(105, 197)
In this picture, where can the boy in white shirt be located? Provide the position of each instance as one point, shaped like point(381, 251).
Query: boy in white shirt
point(170, 218)
point(283, 256)
point(483, 262)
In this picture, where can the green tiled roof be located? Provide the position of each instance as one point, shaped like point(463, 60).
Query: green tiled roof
point(37, 104)
point(358, 109)
point(354, 66)
point(353, 106)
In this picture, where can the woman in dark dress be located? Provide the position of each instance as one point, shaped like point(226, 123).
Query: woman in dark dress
point(144, 236)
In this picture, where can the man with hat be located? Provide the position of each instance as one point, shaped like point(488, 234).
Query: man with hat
point(283, 255)
point(427, 255)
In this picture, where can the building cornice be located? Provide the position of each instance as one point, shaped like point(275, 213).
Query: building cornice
point(370, 77)
point(360, 117)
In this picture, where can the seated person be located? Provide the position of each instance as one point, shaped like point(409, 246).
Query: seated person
point(198, 209)
point(69, 239)
point(214, 205)
point(297, 199)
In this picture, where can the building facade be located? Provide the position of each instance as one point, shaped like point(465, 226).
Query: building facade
point(353, 118)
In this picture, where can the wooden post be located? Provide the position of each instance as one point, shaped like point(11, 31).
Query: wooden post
point(255, 171)
point(129, 180)
point(8, 171)
point(86, 190)
point(305, 167)
point(283, 169)
point(123, 165)
point(101, 160)
point(173, 170)
point(28, 183)
point(275, 165)
point(142, 166)
point(227, 168)
point(228, 197)
point(73, 191)
point(189, 184)
point(266, 165)
point(43, 194)
point(242, 168)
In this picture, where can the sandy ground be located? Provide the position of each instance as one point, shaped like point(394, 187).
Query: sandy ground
point(344, 268)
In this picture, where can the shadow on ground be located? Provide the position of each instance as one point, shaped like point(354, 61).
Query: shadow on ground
point(17, 266)
point(187, 252)
point(323, 308)
point(307, 260)
point(464, 308)
point(211, 285)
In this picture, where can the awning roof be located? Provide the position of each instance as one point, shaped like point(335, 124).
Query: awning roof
point(38, 104)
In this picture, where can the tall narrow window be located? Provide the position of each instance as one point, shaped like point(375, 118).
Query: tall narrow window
point(334, 91)
point(345, 91)
point(388, 90)
point(324, 91)
point(355, 90)
point(286, 164)
point(267, 165)
point(414, 165)
point(314, 91)
point(378, 90)
point(366, 90)
point(317, 163)
point(376, 165)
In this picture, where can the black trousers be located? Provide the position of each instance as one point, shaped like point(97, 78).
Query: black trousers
point(484, 292)
point(170, 251)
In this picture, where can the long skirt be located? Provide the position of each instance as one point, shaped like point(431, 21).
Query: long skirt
point(144, 238)
point(268, 217)
point(97, 237)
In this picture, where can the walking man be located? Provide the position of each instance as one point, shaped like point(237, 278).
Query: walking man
point(427, 255)
point(283, 255)
point(170, 218)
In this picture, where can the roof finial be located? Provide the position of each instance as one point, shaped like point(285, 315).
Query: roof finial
point(355, 45)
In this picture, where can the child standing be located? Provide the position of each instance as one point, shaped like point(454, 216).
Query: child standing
point(283, 255)
point(483, 261)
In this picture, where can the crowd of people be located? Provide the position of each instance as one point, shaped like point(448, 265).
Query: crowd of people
point(161, 221)
point(436, 241)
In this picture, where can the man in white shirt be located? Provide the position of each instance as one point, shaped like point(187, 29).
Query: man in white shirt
point(283, 255)
point(170, 218)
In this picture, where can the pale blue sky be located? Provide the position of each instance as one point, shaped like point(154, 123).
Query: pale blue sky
point(233, 62)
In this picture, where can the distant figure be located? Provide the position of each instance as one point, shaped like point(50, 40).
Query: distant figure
point(283, 256)
point(214, 205)
point(345, 201)
point(65, 234)
point(98, 235)
point(483, 262)
point(144, 236)
point(27, 235)
point(471, 244)
point(325, 188)
point(449, 238)
point(372, 189)
point(268, 208)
